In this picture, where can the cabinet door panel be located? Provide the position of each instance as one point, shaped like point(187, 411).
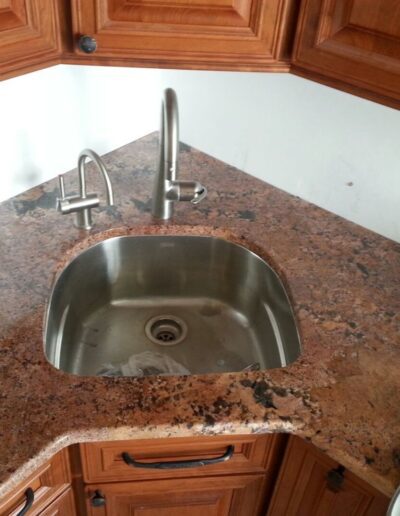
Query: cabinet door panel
point(47, 483)
point(355, 43)
point(29, 35)
point(63, 506)
point(303, 487)
point(240, 495)
point(190, 33)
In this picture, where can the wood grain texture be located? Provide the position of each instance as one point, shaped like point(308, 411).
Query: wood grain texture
point(29, 36)
point(48, 482)
point(239, 495)
point(353, 44)
point(64, 505)
point(224, 34)
point(102, 462)
point(302, 488)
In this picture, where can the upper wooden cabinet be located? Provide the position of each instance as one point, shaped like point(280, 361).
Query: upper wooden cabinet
point(351, 44)
point(233, 34)
point(29, 35)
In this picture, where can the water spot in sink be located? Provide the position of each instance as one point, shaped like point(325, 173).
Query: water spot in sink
point(210, 309)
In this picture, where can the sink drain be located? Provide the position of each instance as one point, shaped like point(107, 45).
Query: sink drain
point(166, 330)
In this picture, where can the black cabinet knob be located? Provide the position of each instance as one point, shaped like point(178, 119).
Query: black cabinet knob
point(335, 479)
point(98, 499)
point(87, 44)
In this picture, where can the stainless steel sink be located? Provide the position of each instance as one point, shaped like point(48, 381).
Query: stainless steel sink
point(210, 305)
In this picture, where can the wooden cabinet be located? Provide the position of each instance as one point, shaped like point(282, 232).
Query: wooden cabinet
point(312, 484)
point(29, 35)
point(102, 462)
point(232, 34)
point(64, 505)
point(352, 45)
point(51, 490)
point(264, 475)
point(241, 485)
point(241, 495)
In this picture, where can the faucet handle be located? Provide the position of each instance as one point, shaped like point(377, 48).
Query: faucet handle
point(63, 201)
point(75, 203)
point(200, 193)
point(62, 187)
point(191, 191)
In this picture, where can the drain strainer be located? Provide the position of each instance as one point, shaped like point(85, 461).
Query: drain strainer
point(166, 330)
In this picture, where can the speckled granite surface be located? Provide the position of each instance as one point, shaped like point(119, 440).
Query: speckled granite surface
point(343, 394)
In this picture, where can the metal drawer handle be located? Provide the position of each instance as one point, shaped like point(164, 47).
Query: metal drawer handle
point(193, 463)
point(30, 496)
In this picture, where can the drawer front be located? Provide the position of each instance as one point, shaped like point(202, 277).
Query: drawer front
point(47, 483)
point(64, 505)
point(103, 461)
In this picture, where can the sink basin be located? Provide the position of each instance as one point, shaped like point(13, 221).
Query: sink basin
point(208, 304)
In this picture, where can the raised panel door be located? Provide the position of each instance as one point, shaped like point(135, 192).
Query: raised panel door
point(47, 484)
point(312, 484)
point(244, 34)
point(239, 495)
point(353, 44)
point(64, 505)
point(29, 35)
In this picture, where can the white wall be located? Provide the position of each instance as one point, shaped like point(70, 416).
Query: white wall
point(328, 147)
point(48, 117)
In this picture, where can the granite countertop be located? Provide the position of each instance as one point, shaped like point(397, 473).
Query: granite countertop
point(342, 394)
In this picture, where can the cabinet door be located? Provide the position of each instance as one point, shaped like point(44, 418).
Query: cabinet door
point(353, 45)
point(29, 35)
point(240, 495)
point(312, 484)
point(64, 505)
point(216, 34)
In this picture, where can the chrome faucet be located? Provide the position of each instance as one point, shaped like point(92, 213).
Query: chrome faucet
point(83, 203)
point(167, 188)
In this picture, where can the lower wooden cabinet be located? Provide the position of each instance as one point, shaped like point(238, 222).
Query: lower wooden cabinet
point(64, 505)
point(240, 485)
point(103, 461)
point(260, 475)
point(312, 484)
point(48, 484)
point(241, 495)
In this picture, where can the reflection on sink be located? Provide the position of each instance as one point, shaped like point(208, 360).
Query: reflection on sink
point(210, 305)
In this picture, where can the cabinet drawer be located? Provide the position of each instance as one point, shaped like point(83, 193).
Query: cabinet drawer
point(47, 483)
point(103, 461)
point(64, 505)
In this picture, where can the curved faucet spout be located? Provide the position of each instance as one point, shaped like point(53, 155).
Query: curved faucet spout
point(83, 203)
point(88, 153)
point(167, 188)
